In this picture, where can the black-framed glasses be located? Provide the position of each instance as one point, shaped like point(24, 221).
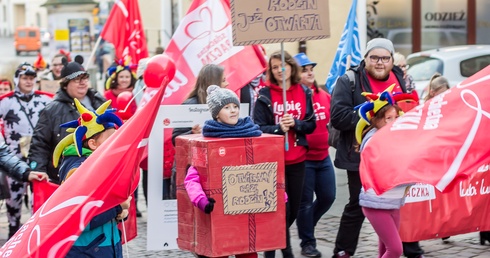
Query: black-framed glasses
point(384, 59)
point(81, 78)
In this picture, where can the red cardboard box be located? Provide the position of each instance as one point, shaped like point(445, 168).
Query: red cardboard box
point(246, 178)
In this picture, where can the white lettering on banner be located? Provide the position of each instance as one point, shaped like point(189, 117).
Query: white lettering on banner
point(420, 193)
point(408, 121)
point(434, 112)
point(466, 192)
point(484, 189)
point(179, 81)
point(483, 168)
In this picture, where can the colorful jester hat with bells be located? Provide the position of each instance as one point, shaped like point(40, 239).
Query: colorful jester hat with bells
point(113, 71)
point(87, 125)
point(374, 103)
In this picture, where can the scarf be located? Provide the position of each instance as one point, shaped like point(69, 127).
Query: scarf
point(243, 128)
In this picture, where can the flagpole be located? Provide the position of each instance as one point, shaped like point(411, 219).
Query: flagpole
point(97, 43)
point(283, 68)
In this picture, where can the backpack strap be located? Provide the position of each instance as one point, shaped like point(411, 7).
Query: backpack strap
point(352, 79)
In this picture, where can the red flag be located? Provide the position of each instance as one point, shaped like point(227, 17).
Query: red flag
point(124, 29)
point(439, 143)
point(205, 36)
point(103, 181)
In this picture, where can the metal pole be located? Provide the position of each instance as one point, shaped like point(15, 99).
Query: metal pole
point(283, 67)
point(97, 43)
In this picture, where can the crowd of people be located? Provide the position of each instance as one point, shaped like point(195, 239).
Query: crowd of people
point(32, 120)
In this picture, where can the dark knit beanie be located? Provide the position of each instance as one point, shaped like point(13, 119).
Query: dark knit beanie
point(218, 98)
point(72, 70)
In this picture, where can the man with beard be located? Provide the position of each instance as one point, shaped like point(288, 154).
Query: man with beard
point(374, 74)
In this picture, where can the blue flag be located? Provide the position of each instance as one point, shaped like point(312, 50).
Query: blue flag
point(348, 45)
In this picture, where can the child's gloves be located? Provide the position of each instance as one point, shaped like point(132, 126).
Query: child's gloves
point(206, 204)
point(210, 206)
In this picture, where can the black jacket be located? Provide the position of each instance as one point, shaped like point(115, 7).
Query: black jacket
point(344, 118)
point(264, 116)
point(12, 165)
point(48, 132)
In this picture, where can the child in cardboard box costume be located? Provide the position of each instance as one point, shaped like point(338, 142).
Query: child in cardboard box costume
point(224, 107)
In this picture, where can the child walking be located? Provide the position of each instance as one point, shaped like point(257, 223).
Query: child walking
point(100, 238)
point(382, 211)
point(224, 106)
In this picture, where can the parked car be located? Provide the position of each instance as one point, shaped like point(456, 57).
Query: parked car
point(27, 39)
point(45, 36)
point(455, 63)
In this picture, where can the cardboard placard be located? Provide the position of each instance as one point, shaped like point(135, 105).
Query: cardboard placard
point(49, 86)
point(272, 21)
point(250, 188)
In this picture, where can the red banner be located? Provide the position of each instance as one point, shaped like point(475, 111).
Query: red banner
point(103, 181)
point(124, 29)
point(205, 36)
point(430, 214)
point(439, 143)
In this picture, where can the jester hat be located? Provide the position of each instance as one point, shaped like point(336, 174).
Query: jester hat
point(87, 125)
point(375, 102)
point(121, 65)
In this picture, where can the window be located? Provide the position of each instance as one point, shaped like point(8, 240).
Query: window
point(32, 34)
point(471, 66)
point(422, 68)
point(21, 34)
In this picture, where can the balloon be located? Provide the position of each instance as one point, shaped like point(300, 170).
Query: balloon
point(123, 105)
point(160, 70)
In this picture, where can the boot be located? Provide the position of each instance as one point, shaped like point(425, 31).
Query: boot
point(12, 230)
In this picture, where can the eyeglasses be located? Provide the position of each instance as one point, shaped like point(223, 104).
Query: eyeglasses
point(404, 66)
point(384, 59)
point(81, 78)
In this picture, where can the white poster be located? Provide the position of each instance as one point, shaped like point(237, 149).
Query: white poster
point(162, 214)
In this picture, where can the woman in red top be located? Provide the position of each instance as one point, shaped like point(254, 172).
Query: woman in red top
point(121, 79)
point(297, 121)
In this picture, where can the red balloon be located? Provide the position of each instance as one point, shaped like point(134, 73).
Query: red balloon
point(160, 70)
point(124, 106)
point(123, 100)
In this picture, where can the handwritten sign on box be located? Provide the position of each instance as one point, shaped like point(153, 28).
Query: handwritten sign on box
point(250, 188)
point(272, 21)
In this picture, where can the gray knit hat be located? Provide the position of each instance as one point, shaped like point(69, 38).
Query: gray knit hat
point(379, 43)
point(218, 98)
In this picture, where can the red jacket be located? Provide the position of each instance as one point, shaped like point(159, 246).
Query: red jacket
point(318, 140)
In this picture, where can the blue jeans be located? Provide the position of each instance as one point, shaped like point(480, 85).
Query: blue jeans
point(320, 180)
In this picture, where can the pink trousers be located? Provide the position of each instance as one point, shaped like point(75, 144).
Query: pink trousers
point(386, 224)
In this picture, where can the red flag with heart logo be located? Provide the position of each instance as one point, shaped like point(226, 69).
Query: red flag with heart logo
point(103, 181)
point(205, 36)
point(124, 29)
point(438, 143)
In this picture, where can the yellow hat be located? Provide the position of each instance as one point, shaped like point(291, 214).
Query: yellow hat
point(87, 125)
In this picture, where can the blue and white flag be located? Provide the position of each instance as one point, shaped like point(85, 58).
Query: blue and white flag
point(349, 45)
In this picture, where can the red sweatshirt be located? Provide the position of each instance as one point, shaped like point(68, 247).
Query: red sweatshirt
point(296, 106)
point(318, 140)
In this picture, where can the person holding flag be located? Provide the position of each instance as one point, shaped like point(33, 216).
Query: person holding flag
point(295, 122)
point(374, 74)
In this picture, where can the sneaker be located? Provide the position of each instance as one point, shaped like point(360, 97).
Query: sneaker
point(310, 251)
point(341, 254)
